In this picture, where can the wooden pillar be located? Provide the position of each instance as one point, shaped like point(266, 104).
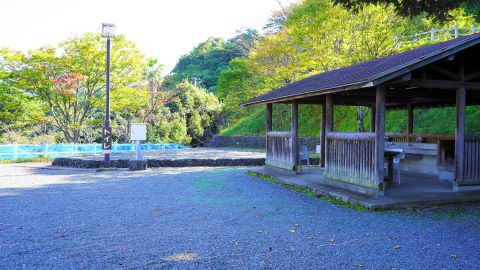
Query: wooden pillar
point(380, 132)
point(294, 133)
point(409, 121)
point(268, 121)
point(322, 136)
point(460, 124)
point(460, 135)
point(328, 125)
point(268, 125)
point(372, 119)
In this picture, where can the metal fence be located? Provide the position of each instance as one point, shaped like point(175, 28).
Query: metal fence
point(435, 35)
point(19, 151)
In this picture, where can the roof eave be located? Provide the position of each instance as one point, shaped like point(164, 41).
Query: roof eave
point(346, 87)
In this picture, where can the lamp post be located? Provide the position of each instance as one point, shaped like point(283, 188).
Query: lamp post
point(108, 31)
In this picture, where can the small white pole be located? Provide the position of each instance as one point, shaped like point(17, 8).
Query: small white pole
point(455, 30)
point(432, 34)
point(15, 151)
point(72, 152)
point(474, 29)
point(45, 150)
point(138, 149)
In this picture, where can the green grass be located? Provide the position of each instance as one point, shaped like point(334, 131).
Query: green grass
point(251, 125)
point(434, 121)
point(309, 192)
point(25, 160)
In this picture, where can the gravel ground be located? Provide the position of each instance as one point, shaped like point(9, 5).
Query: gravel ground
point(204, 218)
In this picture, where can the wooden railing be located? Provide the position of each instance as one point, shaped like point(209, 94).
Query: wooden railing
point(351, 158)
point(279, 150)
point(471, 168)
point(428, 138)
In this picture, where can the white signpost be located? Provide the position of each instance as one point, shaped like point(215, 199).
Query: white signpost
point(138, 133)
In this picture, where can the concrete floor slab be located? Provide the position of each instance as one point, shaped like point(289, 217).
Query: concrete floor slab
point(415, 190)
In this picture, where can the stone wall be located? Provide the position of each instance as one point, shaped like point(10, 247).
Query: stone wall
point(254, 142)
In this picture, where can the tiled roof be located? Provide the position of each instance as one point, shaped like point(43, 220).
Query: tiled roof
point(362, 73)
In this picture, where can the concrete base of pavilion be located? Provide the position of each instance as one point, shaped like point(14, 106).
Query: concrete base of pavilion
point(415, 190)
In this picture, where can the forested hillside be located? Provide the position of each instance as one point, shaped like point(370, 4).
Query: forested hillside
point(205, 62)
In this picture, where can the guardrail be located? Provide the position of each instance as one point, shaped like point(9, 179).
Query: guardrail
point(435, 34)
point(15, 151)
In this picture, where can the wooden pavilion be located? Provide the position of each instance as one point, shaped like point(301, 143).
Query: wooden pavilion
point(440, 75)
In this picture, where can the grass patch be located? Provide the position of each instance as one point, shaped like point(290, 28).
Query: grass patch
point(25, 160)
point(308, 192)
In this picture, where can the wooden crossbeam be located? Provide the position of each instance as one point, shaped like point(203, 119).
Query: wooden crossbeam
point(443, 84)
point(473, 75)
point(447, 73)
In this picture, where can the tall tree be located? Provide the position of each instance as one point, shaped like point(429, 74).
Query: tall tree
point(84, 55)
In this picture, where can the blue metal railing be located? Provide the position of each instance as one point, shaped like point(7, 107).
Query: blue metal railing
point(17, 151)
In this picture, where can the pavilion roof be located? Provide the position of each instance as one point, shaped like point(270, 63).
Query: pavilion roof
point(367, 74)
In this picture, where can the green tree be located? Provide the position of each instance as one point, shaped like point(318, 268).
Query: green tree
point(438, 9)
point(84, 55)
point(200, 109)
point(129, 105)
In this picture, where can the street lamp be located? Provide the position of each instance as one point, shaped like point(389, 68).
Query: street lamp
point(108, 31)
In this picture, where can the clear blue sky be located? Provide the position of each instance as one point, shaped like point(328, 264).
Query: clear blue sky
point(164, 29)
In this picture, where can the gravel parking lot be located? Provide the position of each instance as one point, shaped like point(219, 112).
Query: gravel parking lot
point(212, 218)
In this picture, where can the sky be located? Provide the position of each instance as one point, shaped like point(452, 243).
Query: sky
point(163, 29)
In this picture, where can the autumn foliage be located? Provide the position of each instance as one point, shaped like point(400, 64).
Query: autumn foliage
point(68, 84)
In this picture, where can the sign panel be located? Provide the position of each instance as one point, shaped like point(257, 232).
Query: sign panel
point(138, 132)
point(107, 139)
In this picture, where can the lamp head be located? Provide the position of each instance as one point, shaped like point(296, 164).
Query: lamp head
point(108, 30)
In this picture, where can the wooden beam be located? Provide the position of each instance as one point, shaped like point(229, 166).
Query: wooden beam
point(294, 134)
point(471, 76)
point(447, 73)
point(443, 84)
point(409, 119)
point(380, 133)
point(322, 135)
point(351, 135)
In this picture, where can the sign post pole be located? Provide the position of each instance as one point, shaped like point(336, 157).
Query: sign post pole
point(138, 149)
point(138, 133)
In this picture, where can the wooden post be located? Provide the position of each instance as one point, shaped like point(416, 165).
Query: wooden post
point(322, 136)
point(460, 124)
point(380, 133)
point(328, 126)
point(268, 123)
point(294, 133)
point(409, 121)
point(372, 119)
point(460, 135)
